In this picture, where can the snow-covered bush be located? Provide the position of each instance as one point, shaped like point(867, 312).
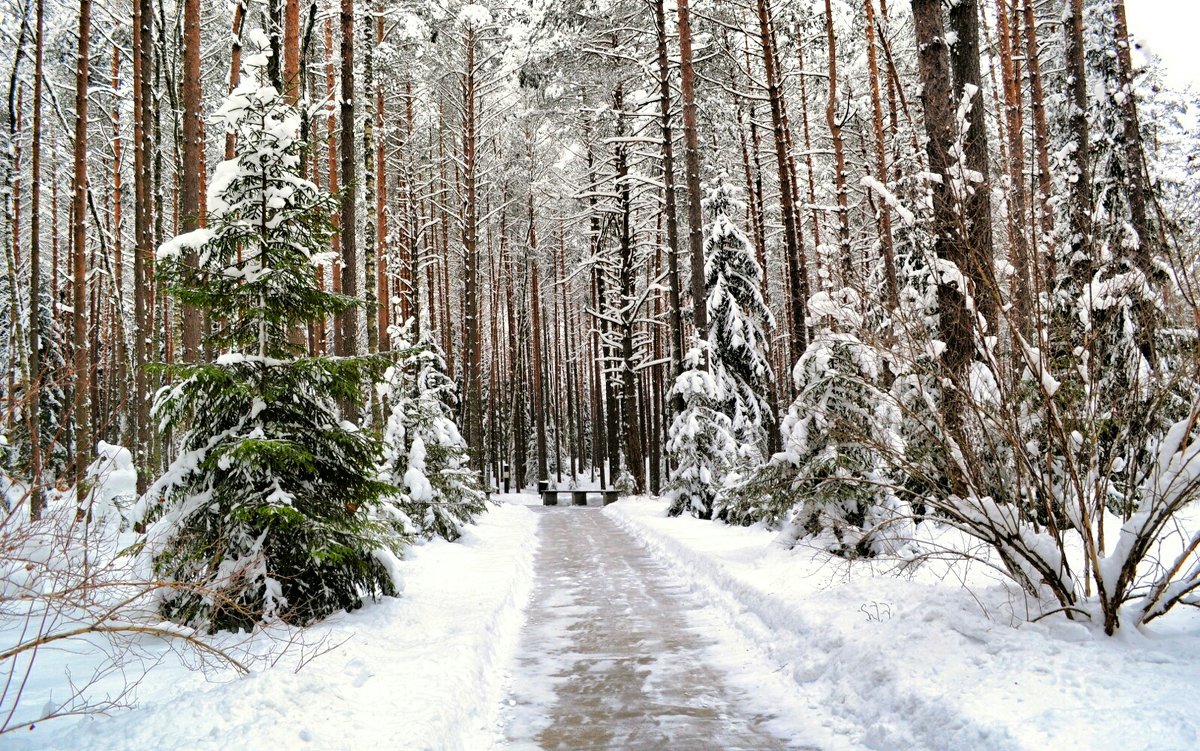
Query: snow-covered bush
point(701, 442)
point(273, 507)
point(112, 480)
point(425, 455)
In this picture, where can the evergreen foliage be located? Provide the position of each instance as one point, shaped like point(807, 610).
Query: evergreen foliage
point(841, 438)
point(1122, 391)
point(273, 509)
point(738, 318)
point(424, 452)
point(52, 400)
point(701, 443)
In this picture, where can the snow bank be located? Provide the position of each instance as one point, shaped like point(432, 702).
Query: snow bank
point(422, 671)
point(914, 661)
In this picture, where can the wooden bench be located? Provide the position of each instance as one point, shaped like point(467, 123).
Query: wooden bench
point(578, 497)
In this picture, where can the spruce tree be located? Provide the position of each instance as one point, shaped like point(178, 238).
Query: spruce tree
point(833, 480)
point(424, 451)
point(701, 442)
point(722, 387)
point(273, 508)
point(738, 318)
point(1120, 387)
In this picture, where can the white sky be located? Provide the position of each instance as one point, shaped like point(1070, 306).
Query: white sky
point(1168, 28)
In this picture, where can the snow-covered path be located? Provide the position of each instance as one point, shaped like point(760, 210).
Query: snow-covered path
point(617, 653)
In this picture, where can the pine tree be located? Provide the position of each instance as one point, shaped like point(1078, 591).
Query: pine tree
point(1122, 391)
point(52, 401)
point(737, 320)
point(701, 442)
point(273, 508)
point(841, 436)
point(424, 452)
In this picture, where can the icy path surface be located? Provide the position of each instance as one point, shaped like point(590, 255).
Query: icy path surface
point(617, 653)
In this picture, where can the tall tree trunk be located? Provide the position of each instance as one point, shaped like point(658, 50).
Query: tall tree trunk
point(143, 295)
point(535, 312)
point(1149, 242)
point(193, 153)
point(235, 62)
point(806, 134)
point(1080, 263)
point(675, 315)
point(977, 204)
point(1041, 145)
point(1137, 180)
point(955, 324)
point(687, 90)
point(334, 330)
point(83, 375)
point(886, 245)
point(347, 321)
point(1018, 204)
point(9, 194)
point(796, 274)
point(382, 243)
point(633, 435)
point(291, 50)
point(470, 226)
point(117, 331)
point(37, 503)
point(370, 291)
point(839, 152)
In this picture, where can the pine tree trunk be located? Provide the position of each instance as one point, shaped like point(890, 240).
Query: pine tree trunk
point(936, 95)
point(687, 90)
point(887, 248)
point(235, 62)
point(121, 350)
point(332, 329)
point(9, 194)
point(143, 300)
point(558, 344)
point(1138, 183)
point(82, 368)
point(796, 277)
point(1137, 177)
point(193, 153)
point(632, 428)
point(977, 205)
point(291, 51)
point(675, 315)
point(1018, 205)
point(1080, 263)
point(535, 312)
point(370, 291)
point(1041, 145)
point(839, 153)
point(382, 276)
point(806, 133)
point(37, 502)
point(347, 321)
point(470, 225)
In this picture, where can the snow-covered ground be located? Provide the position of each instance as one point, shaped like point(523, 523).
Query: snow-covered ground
point(941, 657)
point(421, 671)
point(845, 656)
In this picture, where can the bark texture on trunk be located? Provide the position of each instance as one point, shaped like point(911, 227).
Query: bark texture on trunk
point(687, 90)
point(193, 153)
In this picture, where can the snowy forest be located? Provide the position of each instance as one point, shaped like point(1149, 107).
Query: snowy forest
point(294, 290)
